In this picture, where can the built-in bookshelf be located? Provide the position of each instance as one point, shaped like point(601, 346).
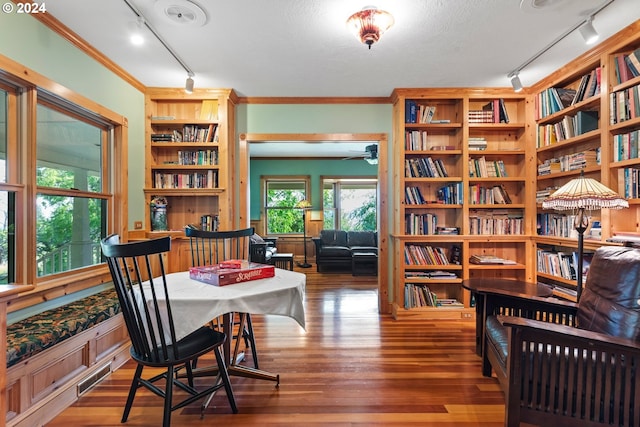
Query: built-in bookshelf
point(187, 156)
point(463, 187)
point(595, 134)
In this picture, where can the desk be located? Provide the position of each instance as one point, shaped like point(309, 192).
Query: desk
point(194, 304)
point(513, 289)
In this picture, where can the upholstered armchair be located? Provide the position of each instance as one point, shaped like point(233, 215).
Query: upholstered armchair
point(556, 373)
point(261, 249)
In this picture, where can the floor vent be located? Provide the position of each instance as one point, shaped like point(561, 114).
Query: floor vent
point(94, 379)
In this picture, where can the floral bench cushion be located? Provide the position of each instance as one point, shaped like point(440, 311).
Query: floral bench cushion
point(42, 331)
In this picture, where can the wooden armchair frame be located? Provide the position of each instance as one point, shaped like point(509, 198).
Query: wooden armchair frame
point(562, 375)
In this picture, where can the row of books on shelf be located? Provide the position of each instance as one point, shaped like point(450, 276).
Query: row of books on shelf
point(427, 224)
point(625, 145)
point(208, 179)
point(569, 127)
point(562, 264)
point(556, 225)
point(419, 295)
point(418, 140)
point(482, 168)
point(425, 167)
point(420, 113)
point(431, 255)
point(450, 194)
point(189, 133)
point(209, 222)
point(477, 143)
point(196, 158)
point(626, 66)
point(570, 162)
point(544, 193)
point(624, 105)
point(555, 99)
point(481, 195)
point(629, 183)
point(493, 111)
point(499, 222)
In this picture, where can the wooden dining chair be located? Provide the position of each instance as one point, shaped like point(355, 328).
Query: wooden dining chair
point(138, 274)
point(213, 247)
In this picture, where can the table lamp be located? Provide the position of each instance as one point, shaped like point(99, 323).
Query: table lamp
point(578, 195)
point(305, 205)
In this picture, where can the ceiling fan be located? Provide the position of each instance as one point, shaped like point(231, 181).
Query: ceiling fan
point(370, 154)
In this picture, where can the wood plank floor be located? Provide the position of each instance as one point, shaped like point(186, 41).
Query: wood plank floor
point(351, 367)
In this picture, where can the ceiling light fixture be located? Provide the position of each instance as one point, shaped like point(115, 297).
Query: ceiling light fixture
point(140, 17)
point(589, 34)
point(188, 87)
point(515, 81)
point(137, 32)
point(369, 24)
point(588, 30)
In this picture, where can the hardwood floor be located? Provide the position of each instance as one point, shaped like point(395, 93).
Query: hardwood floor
point(351, 367)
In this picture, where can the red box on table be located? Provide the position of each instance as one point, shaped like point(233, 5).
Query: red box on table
point(231, 272)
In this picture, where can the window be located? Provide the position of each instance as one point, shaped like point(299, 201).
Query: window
point(72, 199)
point(7, 200)
point(350, 204)
point(281, 197)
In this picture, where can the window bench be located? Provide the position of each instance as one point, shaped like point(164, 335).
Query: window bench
point(50, 354)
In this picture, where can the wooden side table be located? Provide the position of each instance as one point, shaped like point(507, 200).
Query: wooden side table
point(284, 261)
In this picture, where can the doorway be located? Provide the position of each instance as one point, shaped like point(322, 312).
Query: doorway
point(384, 305)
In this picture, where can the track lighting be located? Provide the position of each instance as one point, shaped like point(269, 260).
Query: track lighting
point(188, 87)
point(137, 32)
point(589, 34)
point(515, 81)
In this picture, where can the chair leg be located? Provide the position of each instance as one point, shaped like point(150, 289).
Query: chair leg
point(168, 397)
point(224, 376)
point(135, 383)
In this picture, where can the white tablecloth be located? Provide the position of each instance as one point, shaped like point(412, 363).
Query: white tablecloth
point(194, 303)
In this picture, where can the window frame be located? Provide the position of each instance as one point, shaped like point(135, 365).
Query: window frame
point(339, 181)
point(265, 180)
point(29, 88)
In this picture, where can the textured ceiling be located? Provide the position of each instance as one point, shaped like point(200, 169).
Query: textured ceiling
point(302, 48)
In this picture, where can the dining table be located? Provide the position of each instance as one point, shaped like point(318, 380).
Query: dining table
point(195, 303)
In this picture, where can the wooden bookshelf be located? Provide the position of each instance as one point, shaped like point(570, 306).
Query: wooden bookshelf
point(463, 137)
point(188, 142)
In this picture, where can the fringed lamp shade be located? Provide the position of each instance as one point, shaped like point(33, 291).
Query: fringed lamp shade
point(369, 24)
point(584, 193)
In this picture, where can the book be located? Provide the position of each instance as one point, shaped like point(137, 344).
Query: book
point(490, 259)
point(231, 272)
point(585, 121)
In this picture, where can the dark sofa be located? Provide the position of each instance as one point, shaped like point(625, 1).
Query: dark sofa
point(334, 248)
point(577, 364)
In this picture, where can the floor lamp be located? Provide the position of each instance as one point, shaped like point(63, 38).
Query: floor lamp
point(578, 195)
point(305, 205)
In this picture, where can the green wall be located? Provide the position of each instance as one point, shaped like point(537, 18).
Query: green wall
point(25, 40)
point(311, 118)
point(313, 168)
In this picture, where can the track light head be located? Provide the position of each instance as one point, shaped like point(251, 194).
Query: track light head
point(188, 87)
point(515, 81)
point(589, 34)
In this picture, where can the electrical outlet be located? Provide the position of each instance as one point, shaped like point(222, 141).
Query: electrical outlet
point(137, 225)
point(466, 315)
